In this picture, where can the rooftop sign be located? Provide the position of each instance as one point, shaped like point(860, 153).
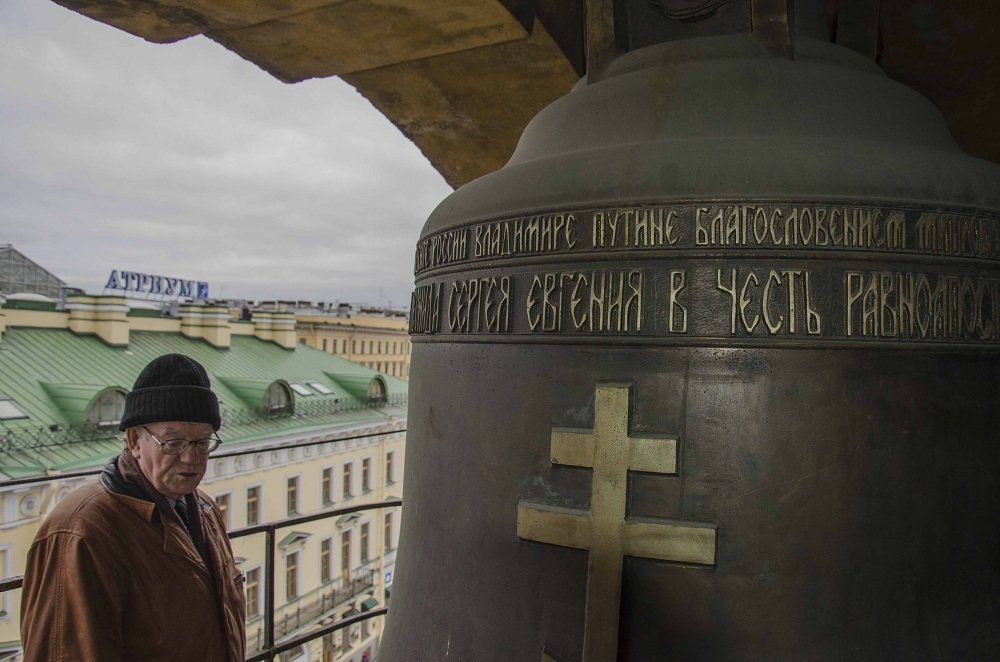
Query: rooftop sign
point(160, 286)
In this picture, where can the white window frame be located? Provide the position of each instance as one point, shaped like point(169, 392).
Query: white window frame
point(228, 517)
point(347, 488)
point(299, 508)
point(298, 575)
point(261, 518)
point(250, 618)
point(327, 500)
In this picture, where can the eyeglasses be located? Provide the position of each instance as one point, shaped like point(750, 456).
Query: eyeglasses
point(178, 446)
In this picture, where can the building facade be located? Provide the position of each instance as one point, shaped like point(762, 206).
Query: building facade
point(378, 341)
point(305, 432)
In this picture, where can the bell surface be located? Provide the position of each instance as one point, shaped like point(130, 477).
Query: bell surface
point(708, 372)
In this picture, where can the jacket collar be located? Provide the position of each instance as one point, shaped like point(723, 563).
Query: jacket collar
point(111, 479)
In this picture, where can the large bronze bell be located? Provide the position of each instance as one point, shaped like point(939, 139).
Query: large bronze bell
point(709, 371)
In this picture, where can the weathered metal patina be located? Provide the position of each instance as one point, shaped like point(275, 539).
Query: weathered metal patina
point(708, 371)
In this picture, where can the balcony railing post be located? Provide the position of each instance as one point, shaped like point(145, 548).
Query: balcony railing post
point(269, 596)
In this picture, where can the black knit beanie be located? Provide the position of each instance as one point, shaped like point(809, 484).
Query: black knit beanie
point(173, 387)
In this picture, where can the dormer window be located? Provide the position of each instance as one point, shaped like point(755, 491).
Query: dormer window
point(376, 390)
point(106, 410)
point(277, 399)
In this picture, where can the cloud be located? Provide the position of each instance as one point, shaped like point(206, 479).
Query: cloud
point(185, 160)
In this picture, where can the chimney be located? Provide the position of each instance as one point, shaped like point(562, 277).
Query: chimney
point(206, 322)
point(102, 316)
point(279, 328)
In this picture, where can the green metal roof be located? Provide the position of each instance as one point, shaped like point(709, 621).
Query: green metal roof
point(250, 391)
point(54, 375)
point(354, 379)
point(356, 385)
point(75, 400)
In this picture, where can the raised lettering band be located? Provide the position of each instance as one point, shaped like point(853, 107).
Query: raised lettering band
point(734, 274)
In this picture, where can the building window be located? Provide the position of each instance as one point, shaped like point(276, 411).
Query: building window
point(277, 399)
point(9, 410)
point(253, 505)
point(363, 546)
point(376, 390)
point(301, 390)
point(354, 346)
point(324, 344)
point(351, 633)
point(326, 487)
point(107, 409)
point(347, 480)
point(388, 532)
point(345, 556)
point(325, 569)
point(291, 576)
point(389, 457)
point(222, 503)
point(292, 492)
point(253, 593)
point(366, 470)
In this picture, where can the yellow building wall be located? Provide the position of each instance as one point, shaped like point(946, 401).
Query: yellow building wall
point(380, 343)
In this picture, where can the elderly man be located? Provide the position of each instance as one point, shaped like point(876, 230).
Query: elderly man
point(139, 567)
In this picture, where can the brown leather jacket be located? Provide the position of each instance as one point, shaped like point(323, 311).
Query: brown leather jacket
point(106, 580)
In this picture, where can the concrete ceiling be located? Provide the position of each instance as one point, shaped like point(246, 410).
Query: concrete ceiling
point(461, 78)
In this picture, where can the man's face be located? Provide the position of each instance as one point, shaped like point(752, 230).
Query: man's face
point(172, 475)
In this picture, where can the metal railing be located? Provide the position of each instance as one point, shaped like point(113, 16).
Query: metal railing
point(270, 648)
point(315, 604)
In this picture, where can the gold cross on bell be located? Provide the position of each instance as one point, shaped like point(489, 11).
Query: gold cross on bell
point(605, 530)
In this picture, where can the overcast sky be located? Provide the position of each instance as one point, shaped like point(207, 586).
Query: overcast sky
point(184, 160)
